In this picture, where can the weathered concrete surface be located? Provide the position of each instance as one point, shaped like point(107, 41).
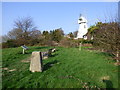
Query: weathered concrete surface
point(36, 62)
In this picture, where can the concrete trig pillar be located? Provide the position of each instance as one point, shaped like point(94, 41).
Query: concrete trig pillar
point(36, 62)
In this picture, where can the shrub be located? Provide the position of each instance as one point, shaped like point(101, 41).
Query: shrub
point(9, 44)
point(66, 42)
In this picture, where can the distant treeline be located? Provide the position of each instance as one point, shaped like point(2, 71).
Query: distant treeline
point(103, 36)
point(25, 33)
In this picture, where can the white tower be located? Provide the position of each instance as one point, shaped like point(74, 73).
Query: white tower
point(82, 27)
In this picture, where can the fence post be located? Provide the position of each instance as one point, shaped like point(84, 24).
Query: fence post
point(23, 51)
point(80, 46)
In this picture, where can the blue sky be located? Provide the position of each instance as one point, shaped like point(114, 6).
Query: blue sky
point(53, 15)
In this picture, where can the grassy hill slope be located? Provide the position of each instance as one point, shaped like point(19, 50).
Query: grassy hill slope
point(67, 68)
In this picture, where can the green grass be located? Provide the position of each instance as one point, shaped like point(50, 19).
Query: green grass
point(67, 68)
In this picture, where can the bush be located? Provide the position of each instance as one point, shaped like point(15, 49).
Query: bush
point(65, 42)
point(9, 44)
point(88, 41)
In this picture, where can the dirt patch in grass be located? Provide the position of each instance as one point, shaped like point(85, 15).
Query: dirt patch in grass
point(8, 69)
point(117, 63)
point(12, 70)
point(26, 60)
point(5, 68)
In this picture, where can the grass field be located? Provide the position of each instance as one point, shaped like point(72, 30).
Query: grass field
point(67, 68)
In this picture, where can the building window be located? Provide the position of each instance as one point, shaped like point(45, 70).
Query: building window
point(84, 26)
point(80, 19)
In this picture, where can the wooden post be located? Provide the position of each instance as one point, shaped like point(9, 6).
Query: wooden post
point(117, 55)
point(23, 51)
point(80, 46)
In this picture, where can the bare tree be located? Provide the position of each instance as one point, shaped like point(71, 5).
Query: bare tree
point(35, 34)
point(16, 33)
point(4, 38)
point(23, 31)
point(25, 24)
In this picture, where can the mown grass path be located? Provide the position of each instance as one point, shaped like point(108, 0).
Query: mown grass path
point(67, 68)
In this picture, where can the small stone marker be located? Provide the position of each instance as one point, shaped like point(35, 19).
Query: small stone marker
point(36, 62)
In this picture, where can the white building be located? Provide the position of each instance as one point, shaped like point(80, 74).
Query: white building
point(82, 27)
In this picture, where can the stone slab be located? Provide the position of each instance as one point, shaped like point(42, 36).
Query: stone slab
point(36, 62)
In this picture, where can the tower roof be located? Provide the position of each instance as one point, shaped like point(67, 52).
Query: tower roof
point(82, 19)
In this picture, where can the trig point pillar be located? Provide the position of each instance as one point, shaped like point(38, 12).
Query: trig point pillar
point(36, 62)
